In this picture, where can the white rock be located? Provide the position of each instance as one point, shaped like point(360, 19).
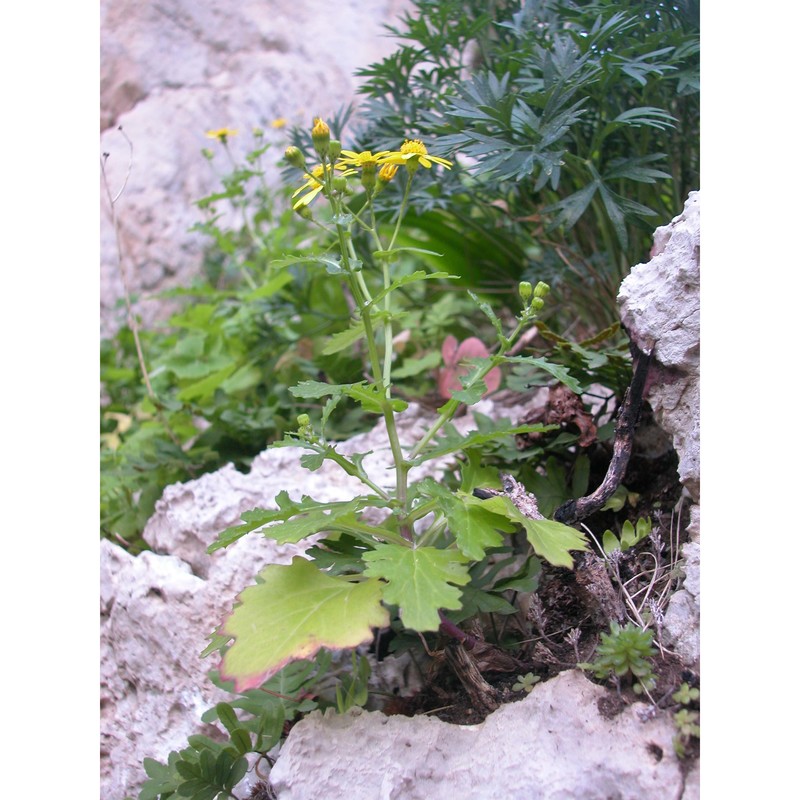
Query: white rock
point(159, 609)
point(172, 70)
point(682, 617)
point(660, 307)
point(553, 745)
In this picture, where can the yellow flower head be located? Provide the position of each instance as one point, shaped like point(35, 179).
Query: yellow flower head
point(315, 184)
point(363, 159)
point(279, 123)
point(413, 150)
point(221, 134)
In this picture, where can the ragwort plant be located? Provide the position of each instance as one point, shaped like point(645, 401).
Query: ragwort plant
point(403, 551)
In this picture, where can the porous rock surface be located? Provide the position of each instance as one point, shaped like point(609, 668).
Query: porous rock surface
point(544, 747)
point(172, 70)
point(660, 307)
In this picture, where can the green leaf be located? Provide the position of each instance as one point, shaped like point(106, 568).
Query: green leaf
point(414, 277)
point(293, 612)
point(558, 371)
point(379, 254)
point(580, 476)
point(451, 441)
point(344, 339)
point(241, 741)
point(550, 540)
point(489, 311)
point(208, 385)
point(419, 580)
point(367, 394)
point(237, 773)
point(314, 390)
point(610, 542)
point(227, 716)
point(371, 398)
point(471, 395)
point(414, 366)
point(273, 285)
point(298, 520)
point(331, 264)
point(475, 528)
point(474, 475)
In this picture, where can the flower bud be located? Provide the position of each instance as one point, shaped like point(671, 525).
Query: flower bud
point(368, 170)
point(321, 137)
point(385, 174)
point(304, 211)
point(339, 183)
point(541, 290)
point(537, 304)
point(525, 291)
point(334, 149)
point(303, 420)
point(293, 155)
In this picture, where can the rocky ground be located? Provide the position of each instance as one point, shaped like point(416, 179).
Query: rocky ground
point(568, 737)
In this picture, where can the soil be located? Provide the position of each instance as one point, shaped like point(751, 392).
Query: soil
point(585, 599)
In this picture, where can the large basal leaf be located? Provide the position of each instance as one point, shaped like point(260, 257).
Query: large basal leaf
point(293, 612)
point(419, 580)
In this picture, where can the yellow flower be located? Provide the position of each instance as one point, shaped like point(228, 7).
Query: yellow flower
point(320, 127)
point(388, 171)
point(413, 153)
point(279, 123)
point(363, 159)
point(314, 184)
point(221, 134)
point(320, 136)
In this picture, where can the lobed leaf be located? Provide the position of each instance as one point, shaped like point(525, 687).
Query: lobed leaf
point(293, 612)
point(419, 580)
point(549, 539)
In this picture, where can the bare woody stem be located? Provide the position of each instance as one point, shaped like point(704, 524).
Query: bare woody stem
point(575, 510)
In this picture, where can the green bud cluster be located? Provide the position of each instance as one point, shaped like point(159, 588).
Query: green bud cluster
point(304, 428)
point(533, 297)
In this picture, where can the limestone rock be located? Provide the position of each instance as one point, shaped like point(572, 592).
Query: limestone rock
point(660, 307)
point(159, 608)
point(170, 71)
point(682, 618)
point(554, 744)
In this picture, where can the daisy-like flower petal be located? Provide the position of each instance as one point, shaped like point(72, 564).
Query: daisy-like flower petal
point(365, 158)
point(221, 134)
point(314, 184)
point(412, 153)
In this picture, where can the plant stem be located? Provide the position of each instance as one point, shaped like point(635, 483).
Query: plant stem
point(449, 409)
point(364, 301)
